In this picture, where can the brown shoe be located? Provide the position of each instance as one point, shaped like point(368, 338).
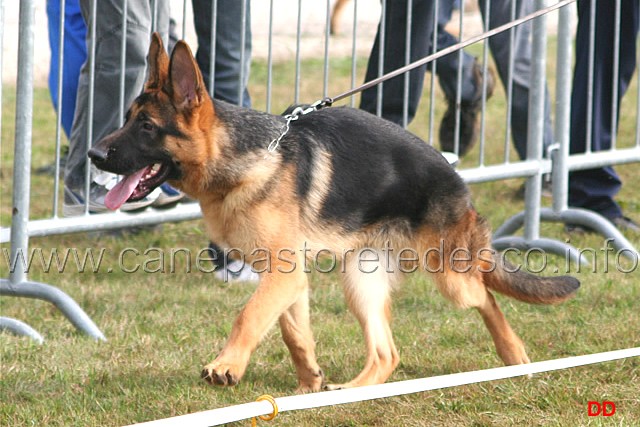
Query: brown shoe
point(469, 124)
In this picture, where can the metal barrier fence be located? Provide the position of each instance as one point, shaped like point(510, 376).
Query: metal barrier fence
point(284, 33)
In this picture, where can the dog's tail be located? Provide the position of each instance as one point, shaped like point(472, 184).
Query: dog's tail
point(521, 285)
point(501, 276)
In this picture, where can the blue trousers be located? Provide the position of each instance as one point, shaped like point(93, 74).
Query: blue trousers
point(594, 189)
point(75, 53)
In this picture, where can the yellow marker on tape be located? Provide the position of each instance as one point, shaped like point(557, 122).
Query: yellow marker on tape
point(270, 399)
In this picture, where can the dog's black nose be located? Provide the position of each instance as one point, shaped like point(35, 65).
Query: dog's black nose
point(98, 155)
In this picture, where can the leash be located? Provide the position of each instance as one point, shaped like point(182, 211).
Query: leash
point(328, 101)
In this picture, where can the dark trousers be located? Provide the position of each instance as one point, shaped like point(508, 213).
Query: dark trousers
point(228, 64)
point(421, 38)
point(395, 32)
point(447, 69)
point(594, 189)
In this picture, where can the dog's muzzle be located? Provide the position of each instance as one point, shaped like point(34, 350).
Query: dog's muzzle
point(98, 155)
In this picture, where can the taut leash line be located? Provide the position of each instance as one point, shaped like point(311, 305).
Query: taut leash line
point(446, 51)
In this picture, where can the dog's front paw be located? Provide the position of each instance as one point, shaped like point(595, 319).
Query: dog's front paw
point(312, 383)
point(223, 374)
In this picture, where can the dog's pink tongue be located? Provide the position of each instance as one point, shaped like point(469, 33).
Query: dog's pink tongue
point(123, 190)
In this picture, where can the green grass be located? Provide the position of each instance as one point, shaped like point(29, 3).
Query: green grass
point(162, 327)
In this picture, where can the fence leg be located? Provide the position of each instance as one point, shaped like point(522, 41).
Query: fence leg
point(531, 216)
point(595, 221)
point(62, 301)
point(20, 328)
point(546, 245)
point(17, 284)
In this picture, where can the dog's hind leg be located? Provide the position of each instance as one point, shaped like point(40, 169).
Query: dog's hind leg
point(509, 346)
point(296, 332)
point(369, 299)
point(467, 290)
point(276, 292)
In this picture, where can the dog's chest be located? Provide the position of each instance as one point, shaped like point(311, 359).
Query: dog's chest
point(226, 226)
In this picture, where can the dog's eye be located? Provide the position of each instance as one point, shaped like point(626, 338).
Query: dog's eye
point(147, 126)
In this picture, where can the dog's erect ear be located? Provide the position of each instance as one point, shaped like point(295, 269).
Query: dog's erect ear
point(187, 85)
point(158, 64)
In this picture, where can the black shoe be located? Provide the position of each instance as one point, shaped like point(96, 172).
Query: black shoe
point(622, 223)
point(469, 125)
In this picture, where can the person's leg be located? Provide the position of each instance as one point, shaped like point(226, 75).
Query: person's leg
point(106, 114)
point(230, 64)
point(466, 122)
point(75, 54)
point(394, 58)
point(447, 66)
point(594, 189)
point(499, 14)
point(228, 68)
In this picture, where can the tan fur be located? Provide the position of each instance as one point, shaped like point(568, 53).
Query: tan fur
point(336, 15)
point(158, 65)
point(322, 173)
point(369, 298)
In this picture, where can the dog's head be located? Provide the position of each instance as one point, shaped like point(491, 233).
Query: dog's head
point(164, 130)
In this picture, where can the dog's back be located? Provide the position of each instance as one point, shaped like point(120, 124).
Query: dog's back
point(379, 172)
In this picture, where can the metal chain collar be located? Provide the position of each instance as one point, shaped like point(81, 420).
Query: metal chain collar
point(295, 115)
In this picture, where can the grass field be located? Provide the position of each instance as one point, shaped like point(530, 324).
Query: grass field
point(162, 326)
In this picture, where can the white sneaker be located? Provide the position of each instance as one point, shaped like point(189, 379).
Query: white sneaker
point(237, 271)
point(167, 197)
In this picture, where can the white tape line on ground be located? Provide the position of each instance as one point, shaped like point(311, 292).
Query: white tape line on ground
point(328, 398)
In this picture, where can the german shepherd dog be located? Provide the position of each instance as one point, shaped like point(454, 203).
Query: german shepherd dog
point(340, 179)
